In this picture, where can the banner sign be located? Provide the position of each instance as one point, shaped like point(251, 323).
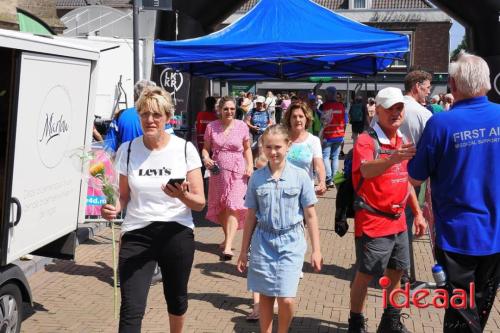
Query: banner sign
point(236, 87)
point(177, 84)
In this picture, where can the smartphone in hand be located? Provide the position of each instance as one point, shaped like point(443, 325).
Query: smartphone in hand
point(173, 181)
point(215, 169)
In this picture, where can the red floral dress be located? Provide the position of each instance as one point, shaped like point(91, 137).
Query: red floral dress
point(228, 188)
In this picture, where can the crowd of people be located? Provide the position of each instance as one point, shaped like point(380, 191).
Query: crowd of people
point(269, 157)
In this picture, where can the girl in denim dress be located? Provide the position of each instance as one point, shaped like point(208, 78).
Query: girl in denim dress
point(279, 197)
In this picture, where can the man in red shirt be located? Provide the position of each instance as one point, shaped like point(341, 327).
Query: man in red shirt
point(203, 118)
point(379, 172)
point(333, 119)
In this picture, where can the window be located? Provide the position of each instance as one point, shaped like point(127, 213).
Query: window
point(406, 63)
point(360, 4)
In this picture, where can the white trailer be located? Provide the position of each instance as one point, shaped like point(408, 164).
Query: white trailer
point(47, 97)
point(115, 65)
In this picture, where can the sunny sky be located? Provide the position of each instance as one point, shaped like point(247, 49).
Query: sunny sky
point(457, 31)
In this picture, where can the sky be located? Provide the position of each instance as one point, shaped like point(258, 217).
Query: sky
point(456, 34)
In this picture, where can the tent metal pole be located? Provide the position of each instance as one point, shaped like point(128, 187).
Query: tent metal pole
point(135, 33)
point(348, 102)
point(211, 88)
point(376, 85)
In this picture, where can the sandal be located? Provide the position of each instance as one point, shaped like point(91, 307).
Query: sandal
point(226, 256)
point(252, 317)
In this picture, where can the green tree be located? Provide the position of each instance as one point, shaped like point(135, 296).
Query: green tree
point(460, 47)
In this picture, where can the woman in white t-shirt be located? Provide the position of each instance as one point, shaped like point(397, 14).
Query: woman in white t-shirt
point(158, 227)
point(305, 151)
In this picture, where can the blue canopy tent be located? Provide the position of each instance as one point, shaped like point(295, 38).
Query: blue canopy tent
point(285, 40)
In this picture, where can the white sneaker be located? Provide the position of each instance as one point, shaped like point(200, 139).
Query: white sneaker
point(301, 275)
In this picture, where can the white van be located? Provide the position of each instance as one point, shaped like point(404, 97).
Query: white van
point(47, 94)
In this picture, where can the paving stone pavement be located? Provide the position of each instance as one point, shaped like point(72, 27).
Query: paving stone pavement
point(78, 296)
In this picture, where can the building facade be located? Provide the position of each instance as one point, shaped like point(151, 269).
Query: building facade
point(44, 9)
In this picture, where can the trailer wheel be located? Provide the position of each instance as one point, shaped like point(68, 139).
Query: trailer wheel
point(10, 308)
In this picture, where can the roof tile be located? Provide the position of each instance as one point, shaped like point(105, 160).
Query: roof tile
point(71, 4)
point(344, 4)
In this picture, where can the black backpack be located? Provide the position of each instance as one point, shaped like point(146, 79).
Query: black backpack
point(344, 203)
point(347, 201)
point(356, 113)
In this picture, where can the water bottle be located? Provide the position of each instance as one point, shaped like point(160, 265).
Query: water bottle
point(439, 275)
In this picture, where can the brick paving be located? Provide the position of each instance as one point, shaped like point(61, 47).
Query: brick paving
point(77, 296)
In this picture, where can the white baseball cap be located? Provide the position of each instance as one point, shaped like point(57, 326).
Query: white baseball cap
point(387, 97)
point(260, 99)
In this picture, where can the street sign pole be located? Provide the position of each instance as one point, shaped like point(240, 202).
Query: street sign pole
point(135, 28)
point(145, 5)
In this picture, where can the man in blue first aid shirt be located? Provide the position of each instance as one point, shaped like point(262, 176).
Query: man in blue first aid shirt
point(460, 152)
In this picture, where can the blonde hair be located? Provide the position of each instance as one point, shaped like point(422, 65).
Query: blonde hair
point(276, 129)
point(156, 99)
point(286, 121)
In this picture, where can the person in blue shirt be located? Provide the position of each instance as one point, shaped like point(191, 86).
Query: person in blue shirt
point(278, 198)
point(460, 152)
point(127, 125)
point(258, 119)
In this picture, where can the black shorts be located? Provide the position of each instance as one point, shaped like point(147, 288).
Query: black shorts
point(374, 255)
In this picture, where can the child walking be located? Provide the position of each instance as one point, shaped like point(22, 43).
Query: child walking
point(279, 197)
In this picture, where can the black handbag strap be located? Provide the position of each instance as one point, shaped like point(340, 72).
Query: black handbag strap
point(128, 153)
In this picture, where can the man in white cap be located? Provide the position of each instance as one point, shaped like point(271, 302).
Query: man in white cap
point(380, 180)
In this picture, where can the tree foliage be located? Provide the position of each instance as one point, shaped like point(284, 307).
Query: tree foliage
point(460, 47)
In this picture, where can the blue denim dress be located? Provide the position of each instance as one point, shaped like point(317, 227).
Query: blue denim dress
point(278, 244)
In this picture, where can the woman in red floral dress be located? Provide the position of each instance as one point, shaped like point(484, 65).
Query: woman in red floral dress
point(227, 139)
